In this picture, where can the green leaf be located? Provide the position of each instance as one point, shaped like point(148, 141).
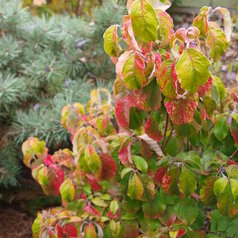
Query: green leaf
point(43, 178)
point(199, 222)
point(89, 231)
point(193, 234)
point(187, 210)
point(131, 206)
point(149, 187)
point(215, 95)
point(136, 118)
point(234, 188)
point(144, 21)
point(94, 163)
point(232, 171)
point(154, 209)
point(36, 226)
point(165, 30)
point(232, 230)
point(217, 42)
point(67, 190)
point(226, 204)
point(160, 4)
point(191, 159)
point(187, 182)
point(135, 188)
point(172, 147)
point(206, 191)
point(128, 217)
point(114, 206)
point(111, 41)
point(235, 116)
point(125, 171)
point(192, 69)
point(140, 163)
point(99, 202)
point(227, 21)
point(201, 21)
point(132, 72)
point(169, 216)
point(221, 129)
point(220, 186)
point(217, 82)
point(33, 148)
point(209, 104)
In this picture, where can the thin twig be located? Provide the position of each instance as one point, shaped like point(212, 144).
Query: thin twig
point(171, 132)
point(165, 130)
point(76, 12)
point(234, 154)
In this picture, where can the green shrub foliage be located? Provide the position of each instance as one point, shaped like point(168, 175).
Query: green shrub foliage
point(168, 167)
point(44, 65)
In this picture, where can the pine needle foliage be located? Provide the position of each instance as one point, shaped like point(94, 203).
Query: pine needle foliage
point(46, 63)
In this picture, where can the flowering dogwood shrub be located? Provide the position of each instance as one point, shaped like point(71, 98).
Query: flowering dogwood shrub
point(167, 166)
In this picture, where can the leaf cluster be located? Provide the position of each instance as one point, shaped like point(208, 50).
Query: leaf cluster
point(168, 165)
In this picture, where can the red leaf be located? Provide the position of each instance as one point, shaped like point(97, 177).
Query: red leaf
point(170, 180)
point(122, 110)
point(114, 216)
point(145, 150)
point(231, 162)
point(167, 79)
point(146, 48)
point(151, 173)
point(167, 55)
point(234, 96)
point(147, 98)
point(71, 231)
point(139, 62)
point(159, 174)
point(151, 129)
point(174, 76)
point(48, 160)
point(92, 211)
point(202, 110)
point(109, 166)
point(168, 218)
point(180, 233)
point(82, 195)
point(93, 182)
point(181, 111)
point(166, 181)
point(60, 231)
point(56, 180)
point(124, 152)
point(158, 62)
point(203, 89)
point(234, 133)
point(181, 48)
point(56, 175)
